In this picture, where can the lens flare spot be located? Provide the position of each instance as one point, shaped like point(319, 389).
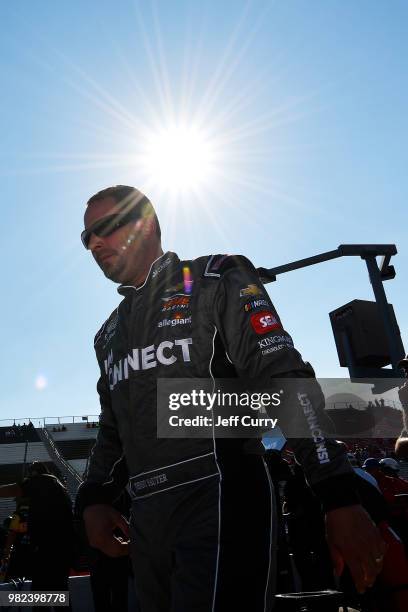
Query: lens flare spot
point(188, 280)
point(41, 383)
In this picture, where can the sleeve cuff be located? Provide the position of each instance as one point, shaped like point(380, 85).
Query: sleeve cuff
point(90, 493)
point(337, 492)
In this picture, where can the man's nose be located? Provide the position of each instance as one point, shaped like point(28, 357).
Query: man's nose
point(95, 242)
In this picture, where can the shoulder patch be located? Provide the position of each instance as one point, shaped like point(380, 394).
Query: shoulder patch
point(219, 264)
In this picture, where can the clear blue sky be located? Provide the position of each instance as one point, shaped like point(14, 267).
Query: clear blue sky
point(305, 105)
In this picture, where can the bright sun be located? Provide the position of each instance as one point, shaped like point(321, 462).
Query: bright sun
point(180, 158)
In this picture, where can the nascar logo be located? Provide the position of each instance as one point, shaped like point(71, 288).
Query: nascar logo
point(255, 304)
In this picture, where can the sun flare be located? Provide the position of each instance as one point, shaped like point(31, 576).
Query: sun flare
point(180, 157)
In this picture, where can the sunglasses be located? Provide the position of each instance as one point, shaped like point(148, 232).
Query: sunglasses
point(109, 224)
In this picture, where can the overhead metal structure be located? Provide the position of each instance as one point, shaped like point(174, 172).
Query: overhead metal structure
point(377, 275)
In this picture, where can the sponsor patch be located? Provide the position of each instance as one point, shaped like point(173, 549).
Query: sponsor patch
point(256, 304)
point(177, 320)
point(270, 341)
point(176, 302)
point(251, 290)
point(315, 428)
point(264, 322)
point(273, 349)
point(166, 353)
point(275, 343)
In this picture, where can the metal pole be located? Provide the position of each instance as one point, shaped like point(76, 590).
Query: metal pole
point(25, 455)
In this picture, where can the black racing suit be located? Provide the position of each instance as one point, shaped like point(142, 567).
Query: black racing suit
point(201, 517)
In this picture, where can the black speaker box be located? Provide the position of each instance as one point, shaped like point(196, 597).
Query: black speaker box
point(361, 321)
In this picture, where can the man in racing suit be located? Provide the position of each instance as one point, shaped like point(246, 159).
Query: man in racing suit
point(201, 534)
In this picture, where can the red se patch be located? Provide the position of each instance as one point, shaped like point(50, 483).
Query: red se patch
point(264, 322)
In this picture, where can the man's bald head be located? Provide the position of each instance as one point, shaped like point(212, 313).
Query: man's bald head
point(128, 198)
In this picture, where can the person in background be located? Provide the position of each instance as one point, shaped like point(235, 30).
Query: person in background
point(389, 593)
point(395, 491)
point(401, 445)
point(385, 472)
point(16, 558)
point(391, 467)
point(403, 396)
point(50, 527)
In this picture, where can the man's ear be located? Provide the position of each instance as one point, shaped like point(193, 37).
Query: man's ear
point(148, 227)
